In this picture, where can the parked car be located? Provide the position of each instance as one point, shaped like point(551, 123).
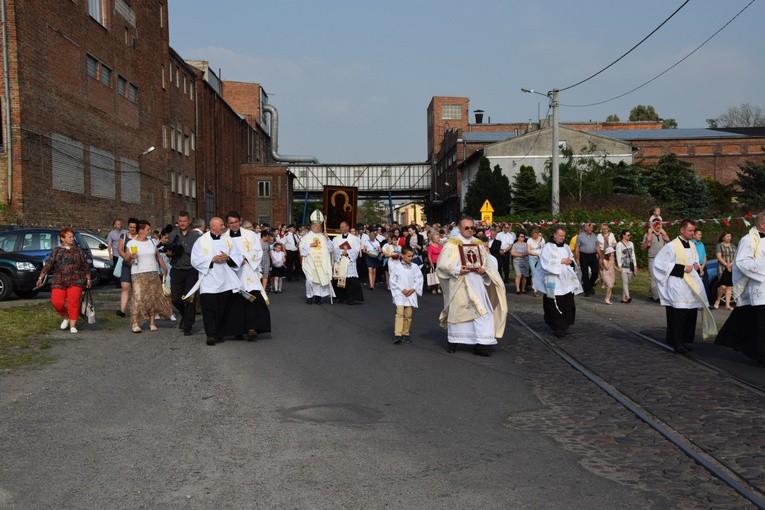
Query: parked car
point(101, 260)
point(711, 283)
point(18, 273)
point(39, 243)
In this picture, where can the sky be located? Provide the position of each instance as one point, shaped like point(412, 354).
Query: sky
point(352, 79)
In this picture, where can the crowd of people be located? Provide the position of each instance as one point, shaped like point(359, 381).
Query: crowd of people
point(228, 270)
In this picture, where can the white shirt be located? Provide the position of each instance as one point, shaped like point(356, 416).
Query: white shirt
point(146, 261)
point(506, 238)
point(405, 276)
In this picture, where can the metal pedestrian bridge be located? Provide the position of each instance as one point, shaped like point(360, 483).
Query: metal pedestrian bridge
point(399, 180)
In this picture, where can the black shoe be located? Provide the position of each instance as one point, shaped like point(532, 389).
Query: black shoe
point(480, 350)
point(252, 335)
point(397, 339)
point(187, 332)
point(309, 301)
point(210, 340)
point(371, 288)
point(352, 302)
point(181, 325)
point(451, 348)
point(406, 339)
point(680, 349)
point(317, 300)
point(120, 313)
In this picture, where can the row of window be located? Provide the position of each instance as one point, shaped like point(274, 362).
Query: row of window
point(179, 141)
point(183, 185)
point(188, 84)
point(103, 73)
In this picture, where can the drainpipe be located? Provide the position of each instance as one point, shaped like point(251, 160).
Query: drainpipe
point(275, 141)
point(7, 104)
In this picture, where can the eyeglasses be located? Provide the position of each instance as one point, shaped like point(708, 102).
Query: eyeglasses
point(468, 228)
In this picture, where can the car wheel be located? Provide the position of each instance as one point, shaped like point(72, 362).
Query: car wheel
point(27, 294)
point(6, 285)
point(96, 279)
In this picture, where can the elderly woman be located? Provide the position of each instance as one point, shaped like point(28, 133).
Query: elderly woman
point(143, 259)
point(71, 273)
point(535, 245)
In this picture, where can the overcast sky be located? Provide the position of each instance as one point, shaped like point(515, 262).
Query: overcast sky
point(352, 79)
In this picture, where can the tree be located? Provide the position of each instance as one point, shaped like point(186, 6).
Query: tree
point(488, 185)
point(677, 188)
point(751, 183)
point(527, 192)
point(641, 112)
point(668, 124)
point(626, 179)
point(372, 212)
point(746, 115)
point(722, 196)
point(612, 118)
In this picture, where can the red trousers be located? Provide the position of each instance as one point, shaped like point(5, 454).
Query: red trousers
point(67, 302)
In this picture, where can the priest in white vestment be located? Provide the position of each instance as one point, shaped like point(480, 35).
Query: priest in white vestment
point(316, 250)
point(251, 308)
point(217, 260)
point(475, 305)
point(555, 277)
point(681, 290)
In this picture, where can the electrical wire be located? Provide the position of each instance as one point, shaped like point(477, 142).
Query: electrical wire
point(666, 70)
point(628, 51)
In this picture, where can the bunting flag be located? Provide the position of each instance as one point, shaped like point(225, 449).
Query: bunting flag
point(546, 224)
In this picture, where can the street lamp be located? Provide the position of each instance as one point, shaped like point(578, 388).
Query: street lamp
point(150, 149)
point(554, 174)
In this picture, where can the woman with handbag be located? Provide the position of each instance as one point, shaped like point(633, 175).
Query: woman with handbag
point(626, 263)
point(71, 273)
point(434, 250)
point(142, 258)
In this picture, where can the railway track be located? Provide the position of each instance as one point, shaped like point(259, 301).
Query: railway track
point(705, 456)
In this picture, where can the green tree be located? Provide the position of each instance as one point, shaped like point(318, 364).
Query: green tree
point(668, 124)
point(372, 211)
point(488, 185)
point(677, 188)
point(626, 179)
point(527, 192)
point(641, 112)
point(750, 180)
point(612, 118)
point(721, 194)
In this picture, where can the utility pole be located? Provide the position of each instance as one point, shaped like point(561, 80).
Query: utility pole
point(555, 171)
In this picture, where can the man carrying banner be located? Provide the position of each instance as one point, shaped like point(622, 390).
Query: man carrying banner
point(316, 251)
point(251, 307)
point(345, 278)
point(681, 290)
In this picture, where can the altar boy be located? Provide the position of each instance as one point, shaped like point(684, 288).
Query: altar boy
point(405, 285)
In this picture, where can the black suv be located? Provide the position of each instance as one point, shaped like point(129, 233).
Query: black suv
point(39, 243)
point(18, 273)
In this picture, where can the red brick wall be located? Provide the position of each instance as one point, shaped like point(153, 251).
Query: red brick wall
point(277, 208)
point(244, 98)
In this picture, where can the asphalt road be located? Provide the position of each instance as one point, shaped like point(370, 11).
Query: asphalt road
point(323, 413)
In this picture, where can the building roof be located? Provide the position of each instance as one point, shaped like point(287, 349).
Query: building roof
point(667, 134)
point(487, 136)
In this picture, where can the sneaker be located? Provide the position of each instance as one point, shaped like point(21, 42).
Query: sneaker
point(210, 340)
point(173, 317)
point(398, 339)
point(65, 324)
point(73, 330)
point(406, 339)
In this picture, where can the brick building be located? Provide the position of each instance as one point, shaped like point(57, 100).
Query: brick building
point(102, 119)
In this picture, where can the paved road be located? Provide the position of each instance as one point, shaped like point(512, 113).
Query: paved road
point(326, 413)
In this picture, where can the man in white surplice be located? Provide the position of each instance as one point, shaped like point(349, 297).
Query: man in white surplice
point(346, 250)
point(217, 260)
point(316, 250)
point(252, 310)
point(475, 305)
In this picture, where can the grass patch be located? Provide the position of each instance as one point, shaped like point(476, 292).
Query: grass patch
point(24, 335)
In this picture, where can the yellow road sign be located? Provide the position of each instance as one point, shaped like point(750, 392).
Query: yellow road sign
point(486, 212)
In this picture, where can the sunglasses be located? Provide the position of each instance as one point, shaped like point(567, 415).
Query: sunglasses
point(468, 228)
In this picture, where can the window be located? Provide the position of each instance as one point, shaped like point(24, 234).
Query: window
point(163, 78)
point(164, 136)
point(193, 188)
point(170, 76)
point(161, 16)
point(121, 85)
point(179, 186)
point(172, 182)
point(191, 90)
point(186, 186)
point(184, 83)
point(177, 78)
point(186, 144)
point(132, 93)
point(106, 76)
point(193, 141)
point(451, 112)
point(172, 138)
point(92, 65)
point(264, 189)
point(96, 11)
point(179, 141)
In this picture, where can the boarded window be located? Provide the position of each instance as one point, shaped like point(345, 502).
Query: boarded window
point(102, 180)
point(67, 164)
point(130, 181)
point(106, 75)
point(92, 65)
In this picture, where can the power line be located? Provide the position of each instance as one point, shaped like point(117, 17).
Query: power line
point(669, 68)
point(628, 51)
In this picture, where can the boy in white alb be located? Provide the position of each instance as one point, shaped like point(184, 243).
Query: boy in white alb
point(405, 285)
